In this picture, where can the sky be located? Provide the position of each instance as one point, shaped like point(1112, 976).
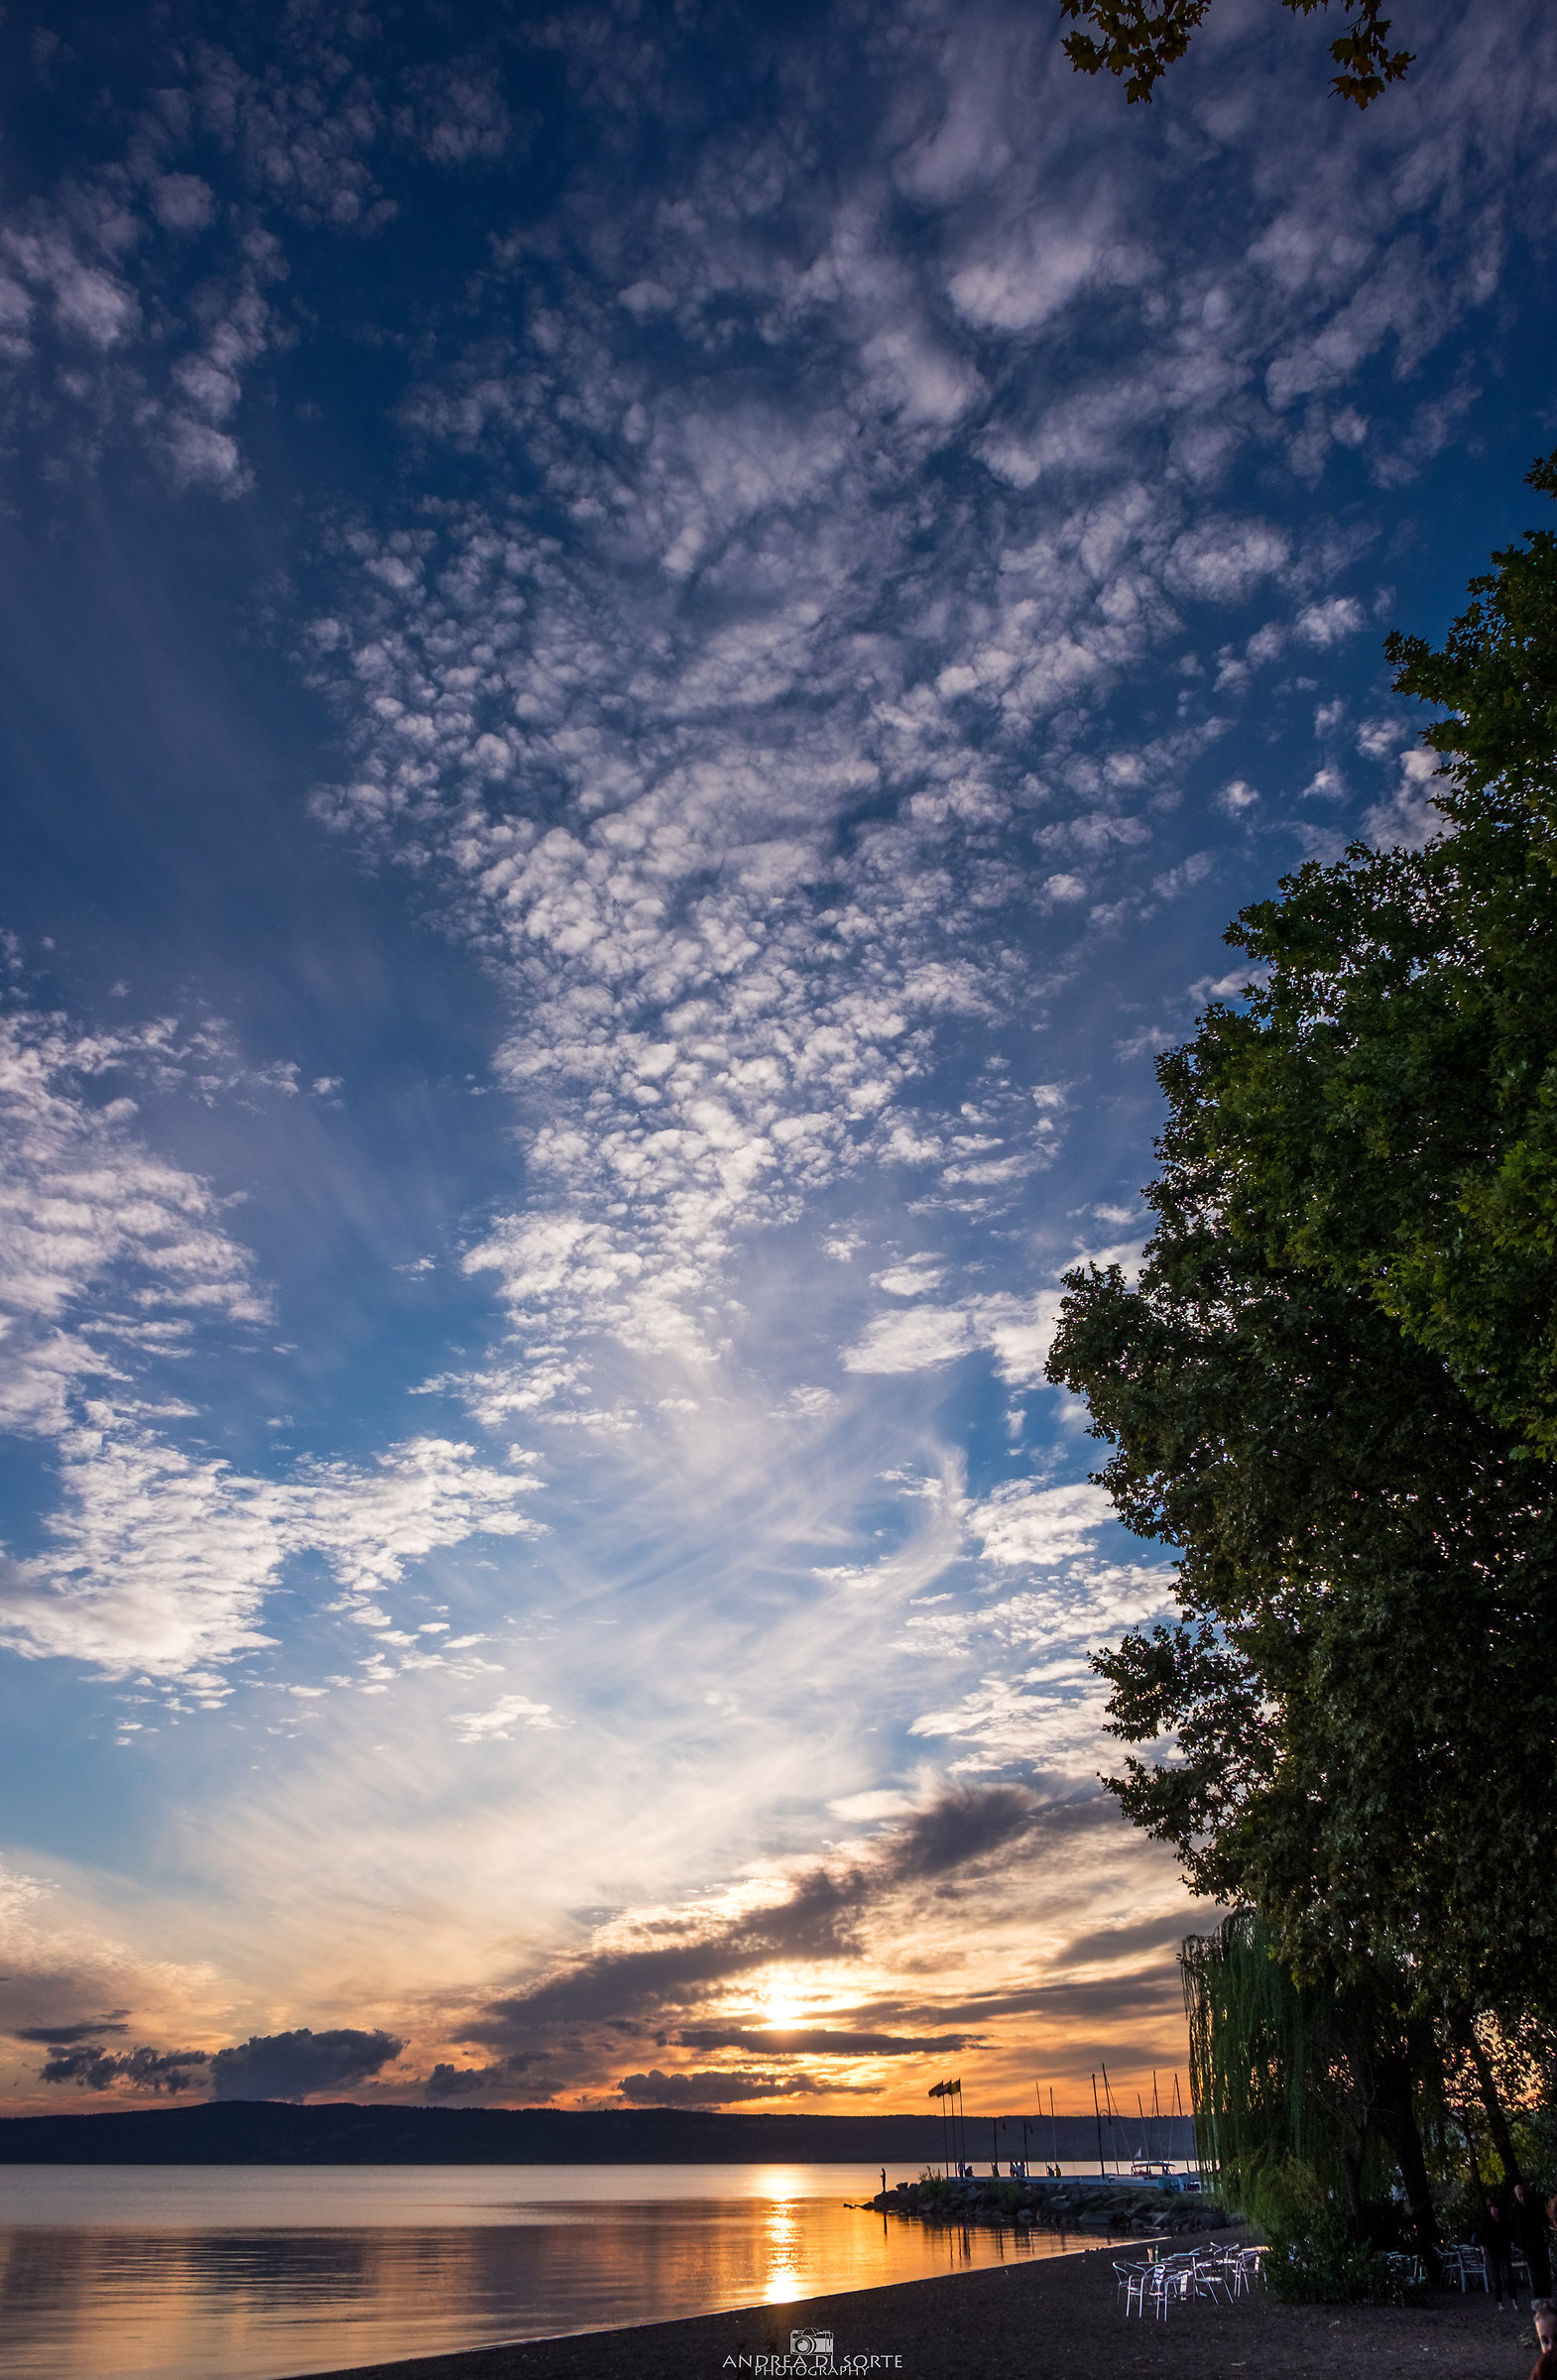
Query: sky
point(645, 648)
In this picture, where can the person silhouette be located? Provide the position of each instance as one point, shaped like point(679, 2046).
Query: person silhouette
point(1529, 2229)
point(1495, 2237)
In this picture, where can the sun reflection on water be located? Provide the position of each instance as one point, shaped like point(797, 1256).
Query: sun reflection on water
point(781, 2281)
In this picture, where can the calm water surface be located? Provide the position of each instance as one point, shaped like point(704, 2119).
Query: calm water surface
point(258, 2273)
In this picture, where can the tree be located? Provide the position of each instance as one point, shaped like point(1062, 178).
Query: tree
point(1386, 1110)
point(1325, 1388)
point(1298, 2088)
point(1362, 1687)
point(1363, 1682)
point(1141, 40)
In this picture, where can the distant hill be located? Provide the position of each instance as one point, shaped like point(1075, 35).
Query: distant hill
point(273, 2132)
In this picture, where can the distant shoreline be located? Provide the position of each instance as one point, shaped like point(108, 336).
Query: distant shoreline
point(275, 2132)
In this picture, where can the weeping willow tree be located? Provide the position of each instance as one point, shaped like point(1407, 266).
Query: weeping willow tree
point(1305, 2093)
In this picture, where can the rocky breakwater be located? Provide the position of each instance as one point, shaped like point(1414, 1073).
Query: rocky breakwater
point(1111, 2208)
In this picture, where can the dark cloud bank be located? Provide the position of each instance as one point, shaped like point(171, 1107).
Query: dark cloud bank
point(274, 2066)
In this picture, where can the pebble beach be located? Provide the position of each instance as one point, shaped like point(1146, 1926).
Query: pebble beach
point(1059, 2320)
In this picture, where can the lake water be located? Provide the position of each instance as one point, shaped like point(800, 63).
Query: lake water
point(260, 2273)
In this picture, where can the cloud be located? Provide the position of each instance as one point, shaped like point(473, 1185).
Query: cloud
point(913, 1342)
point(816, 1917)
point(1176, 881)
point(293, 2065)
point(1037, 1700)
point(1223, 560)
point(459, 114)
point(87, 1207)
point(715, 2086)
point(165, 1556)
point(183, 202)
point(448, 2081)
point(815, 2041)
point(1236, 798)
point(1021, 1522)
point(1043, 269)
point(1017, 1329)
point(1410, 816)
point(1328, 623)
point(783, 853)
point(111, 1259)
point(69, 2036)
point(499, 1721)
point(93, 2068)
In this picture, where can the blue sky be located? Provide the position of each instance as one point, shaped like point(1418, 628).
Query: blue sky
point(644, 656)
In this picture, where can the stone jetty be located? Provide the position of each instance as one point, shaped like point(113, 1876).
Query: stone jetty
point(1112, 2206)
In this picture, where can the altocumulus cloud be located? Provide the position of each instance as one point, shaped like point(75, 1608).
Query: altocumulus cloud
point(110, 1260)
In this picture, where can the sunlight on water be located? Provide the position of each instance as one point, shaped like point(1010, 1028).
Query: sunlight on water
point(246, 2273)
point(782, 2282)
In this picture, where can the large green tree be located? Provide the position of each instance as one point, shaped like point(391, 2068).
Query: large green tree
point(1329, 1383)
point(1139, 40)
point(1352, 1723)
point(1384, 1111)
point(1360, 1692)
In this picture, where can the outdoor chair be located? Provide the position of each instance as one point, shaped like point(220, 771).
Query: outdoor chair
point(1170, 2284)
point(1209, 2279)
point(1134, 2279)
point(1472, 2264)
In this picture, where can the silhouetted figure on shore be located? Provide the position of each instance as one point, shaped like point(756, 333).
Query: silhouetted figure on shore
point(1495, 2237)
point(1529, 2229)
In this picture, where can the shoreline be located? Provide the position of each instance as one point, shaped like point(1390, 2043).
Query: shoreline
point(1057, 2317)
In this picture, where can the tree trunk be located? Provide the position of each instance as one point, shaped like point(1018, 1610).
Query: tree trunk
point(1498, 2122)
point(1351, 2151)
point(1397, 2123)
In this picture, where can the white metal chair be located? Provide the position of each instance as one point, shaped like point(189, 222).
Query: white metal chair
point(1173, 2283)
point(1472, 2264)
point(1209, 2279)
point(1136, 2280)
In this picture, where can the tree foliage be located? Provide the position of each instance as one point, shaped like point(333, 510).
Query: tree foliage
point(1304, 2093)
point(1326, 1386)
point(1361, 1686)
point(1333, 1388)
point(1140, 39)
point(1386, 1110)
